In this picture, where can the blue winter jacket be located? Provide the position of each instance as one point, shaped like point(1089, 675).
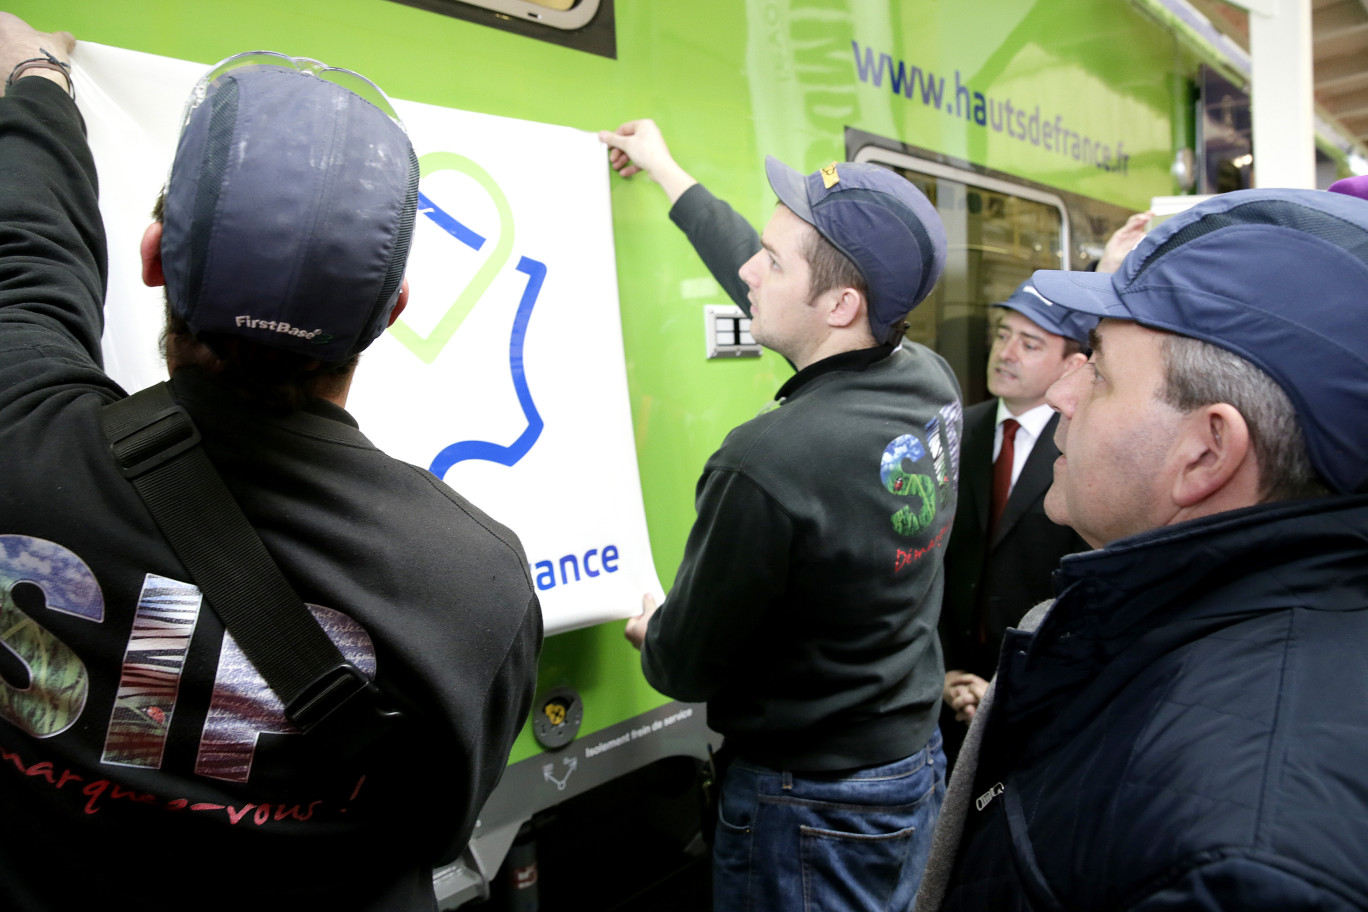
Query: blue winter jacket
point(1188, 728)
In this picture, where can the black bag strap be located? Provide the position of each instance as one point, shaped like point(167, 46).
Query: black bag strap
point(156, 445)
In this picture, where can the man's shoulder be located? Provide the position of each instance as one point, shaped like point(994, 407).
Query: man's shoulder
point(491, 528)
point(911, 373)
point(925, 365)
point(979, 409)
point(318, 456)
point(904, 387)
point(415, 499)
point(980, 414)
point(761, 439)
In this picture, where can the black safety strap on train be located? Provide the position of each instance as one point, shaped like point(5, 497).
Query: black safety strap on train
point(157, 447)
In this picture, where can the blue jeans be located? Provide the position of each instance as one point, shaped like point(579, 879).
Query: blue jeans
point(826, 843)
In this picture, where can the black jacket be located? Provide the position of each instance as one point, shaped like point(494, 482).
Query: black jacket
point(804, 611)
point(1187, 727)
point(145, 764)
point(990, 585)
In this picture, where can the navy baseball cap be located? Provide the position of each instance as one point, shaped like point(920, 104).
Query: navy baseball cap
point(1071, 324)
point(290, 206)
point(886, 226)
point(1280, 278)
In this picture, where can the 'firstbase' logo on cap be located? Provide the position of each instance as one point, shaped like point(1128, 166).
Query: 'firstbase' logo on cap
point(249, 322)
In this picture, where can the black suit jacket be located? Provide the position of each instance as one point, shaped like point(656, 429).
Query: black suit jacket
point(990, 585)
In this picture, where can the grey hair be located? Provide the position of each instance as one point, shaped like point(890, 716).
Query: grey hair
point(1197, 373)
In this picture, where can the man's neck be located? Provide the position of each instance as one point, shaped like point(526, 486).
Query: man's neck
point(339, 394)
point(835, 343)
point(334, 391)
point(856, 359)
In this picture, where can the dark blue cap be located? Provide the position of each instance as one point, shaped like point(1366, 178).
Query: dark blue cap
point(289, 212)
point(1071, 324)
point(886, 226)
point(1280, 278)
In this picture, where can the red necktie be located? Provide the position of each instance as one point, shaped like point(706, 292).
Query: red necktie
point(1002, 471)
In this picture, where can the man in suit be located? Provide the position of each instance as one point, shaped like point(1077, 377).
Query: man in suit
point(999, 561)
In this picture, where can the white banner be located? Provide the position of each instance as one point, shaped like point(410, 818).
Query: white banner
point(505, 375)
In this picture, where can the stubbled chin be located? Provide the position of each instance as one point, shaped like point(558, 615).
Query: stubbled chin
point(1054, 499)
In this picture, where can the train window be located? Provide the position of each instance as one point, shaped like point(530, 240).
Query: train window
point(999, 233)
point(585, 25)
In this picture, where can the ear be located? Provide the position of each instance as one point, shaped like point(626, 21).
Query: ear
point(1073, 363)
point(150, 248)
point(400, 304)
point(847, 308)
point(1215, 457)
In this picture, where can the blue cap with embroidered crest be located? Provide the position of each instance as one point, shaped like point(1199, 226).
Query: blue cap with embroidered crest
point(1280, 278)
point(886, 226)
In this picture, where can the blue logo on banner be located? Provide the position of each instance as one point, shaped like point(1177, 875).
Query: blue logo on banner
point(536, 275)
